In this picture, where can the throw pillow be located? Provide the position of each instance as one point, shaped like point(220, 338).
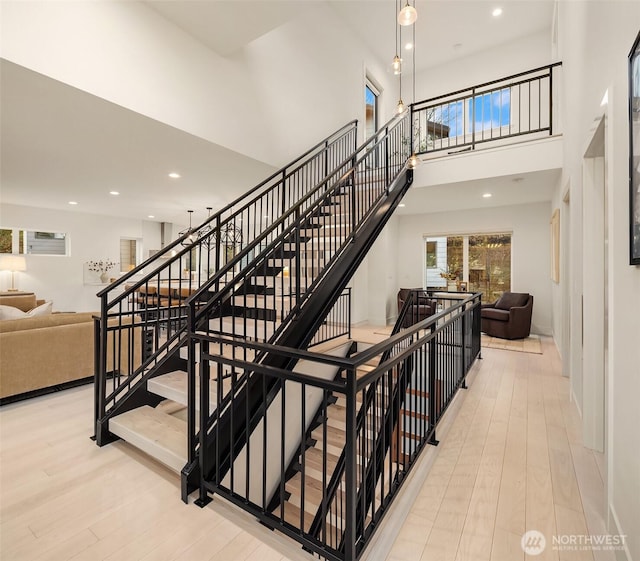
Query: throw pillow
point(41, 310)
point(9, 312)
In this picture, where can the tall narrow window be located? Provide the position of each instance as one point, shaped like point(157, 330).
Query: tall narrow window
point(129, 254)
point(371, 109)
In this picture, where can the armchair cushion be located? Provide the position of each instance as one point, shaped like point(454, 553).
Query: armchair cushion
point(494, 313)
point(510, 300)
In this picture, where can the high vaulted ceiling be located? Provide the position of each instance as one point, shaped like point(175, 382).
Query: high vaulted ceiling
point(59, 143)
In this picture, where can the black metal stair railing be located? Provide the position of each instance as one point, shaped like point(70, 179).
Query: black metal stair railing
point(143, 315)
point(426, 364)
point(296, 253)
point(509, 108)
point(392, 398)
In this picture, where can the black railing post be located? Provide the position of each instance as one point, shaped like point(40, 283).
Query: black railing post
point(326, 158)
point(463, 338)
point(387, 173)
point(354, 220)
point(432, 388)
point(349, 312)
point(101, 432)
point(203, 457)
point(284, 203)
point(96, 375)
point(298, 257)
point(551, 100)
point(473, 119)
point(191, 384)
point(350, 536)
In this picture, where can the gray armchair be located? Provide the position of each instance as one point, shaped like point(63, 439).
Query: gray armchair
point(509, 317)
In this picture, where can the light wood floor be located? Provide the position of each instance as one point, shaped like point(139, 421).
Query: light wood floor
point(507, 463)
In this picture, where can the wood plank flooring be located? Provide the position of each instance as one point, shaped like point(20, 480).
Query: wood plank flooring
point(507, 463)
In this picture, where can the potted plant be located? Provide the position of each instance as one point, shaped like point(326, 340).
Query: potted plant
point(102, 267)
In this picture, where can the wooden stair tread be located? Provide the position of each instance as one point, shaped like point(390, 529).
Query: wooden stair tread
point(161, 436)
point(173, 386)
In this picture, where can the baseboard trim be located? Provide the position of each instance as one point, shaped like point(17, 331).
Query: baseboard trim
point(616, 530)
point(44, 391)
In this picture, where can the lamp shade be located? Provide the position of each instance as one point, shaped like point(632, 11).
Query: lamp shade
point(13, 263)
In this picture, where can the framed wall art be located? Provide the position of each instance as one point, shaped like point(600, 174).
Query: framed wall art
point(634, 153)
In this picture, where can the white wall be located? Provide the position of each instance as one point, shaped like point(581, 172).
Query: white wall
point(374, 284)
point(594, 41)
point(491, 64)
point(282, 92)
point(91, 237)
point(530, 248)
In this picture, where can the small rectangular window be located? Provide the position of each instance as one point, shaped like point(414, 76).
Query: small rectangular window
point(18, 241)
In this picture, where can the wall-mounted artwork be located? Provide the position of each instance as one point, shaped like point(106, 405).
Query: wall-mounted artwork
point(555, 246)
point(634, 153)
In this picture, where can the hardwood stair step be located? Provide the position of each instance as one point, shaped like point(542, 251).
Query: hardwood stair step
point(173, 386)
point(161, 436)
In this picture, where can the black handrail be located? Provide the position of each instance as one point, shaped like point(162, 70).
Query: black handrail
point(295, 220)
point(157, 301)
point(339, 469)
point(282, 171)
point(522, 94)
point(440, 334)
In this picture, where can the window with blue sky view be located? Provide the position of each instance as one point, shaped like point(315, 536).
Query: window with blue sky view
point(489, 111)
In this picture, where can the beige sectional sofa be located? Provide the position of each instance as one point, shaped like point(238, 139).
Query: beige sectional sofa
point(45, 351)
point(49, 350)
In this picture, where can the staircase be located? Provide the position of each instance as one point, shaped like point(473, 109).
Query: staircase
point(228, 355)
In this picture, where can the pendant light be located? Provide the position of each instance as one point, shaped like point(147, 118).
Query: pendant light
point(408, 15)
point(190, 238)
point(397, 61)
point(205, 233)
point(401, 107)
point(413, 161)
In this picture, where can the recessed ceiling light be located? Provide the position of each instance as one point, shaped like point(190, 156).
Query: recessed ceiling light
point(73, 202)
point(174, 175)
point(487, 195)
point(497, 12)
point(151, 216)
point(402, 205)
point(408, 46)
point(114, 192)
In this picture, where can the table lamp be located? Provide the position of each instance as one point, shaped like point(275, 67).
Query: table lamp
point(13, 263)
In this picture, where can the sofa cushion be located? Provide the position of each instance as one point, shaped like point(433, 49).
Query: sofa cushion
point(24, 302)
point(50, 320)
point(510, 300)
point(494, 313)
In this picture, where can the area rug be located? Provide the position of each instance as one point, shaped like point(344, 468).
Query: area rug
point(531, 344)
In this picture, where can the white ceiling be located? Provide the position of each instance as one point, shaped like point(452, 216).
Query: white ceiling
point(61, 144)
point(522, 188)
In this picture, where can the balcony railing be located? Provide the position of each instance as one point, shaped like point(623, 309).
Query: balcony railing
point(515, 106)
